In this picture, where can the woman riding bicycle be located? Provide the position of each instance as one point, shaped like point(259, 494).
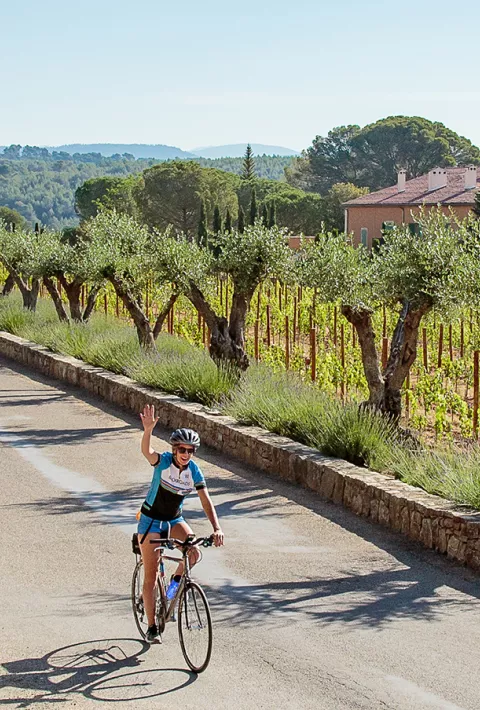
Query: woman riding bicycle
point(175, 476)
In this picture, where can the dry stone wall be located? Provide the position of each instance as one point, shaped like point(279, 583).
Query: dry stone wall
point(436, 523)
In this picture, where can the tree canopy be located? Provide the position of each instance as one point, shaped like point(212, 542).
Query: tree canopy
point(371, 156)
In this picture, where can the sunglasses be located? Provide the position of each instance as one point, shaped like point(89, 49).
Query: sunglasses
point(183, 450)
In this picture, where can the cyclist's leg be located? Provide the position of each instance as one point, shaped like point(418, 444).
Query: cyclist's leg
point(150, 564)
point(181, 530)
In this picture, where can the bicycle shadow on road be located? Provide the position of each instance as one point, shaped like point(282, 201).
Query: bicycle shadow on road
point(92, 669)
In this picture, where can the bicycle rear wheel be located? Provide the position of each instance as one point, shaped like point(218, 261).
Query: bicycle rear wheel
point(138, 607)
point(195, 627)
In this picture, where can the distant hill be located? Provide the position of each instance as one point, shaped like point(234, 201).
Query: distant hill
point(138, 150)
point(237, 150)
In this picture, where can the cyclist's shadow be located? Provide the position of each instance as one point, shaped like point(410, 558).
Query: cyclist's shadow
point(93, 669)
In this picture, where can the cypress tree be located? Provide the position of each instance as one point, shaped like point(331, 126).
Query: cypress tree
point(228, 222)
point(248, 172)
point(253, 207)
point(241, 220)
point(272, 216)
point(217, 220)
point(264, 215)
point(202, 234)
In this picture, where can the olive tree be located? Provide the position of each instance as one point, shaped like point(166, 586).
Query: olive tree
point(69, 263)
point(247, 258)
point(22, 253)
point(123, 251)
point(414, 273)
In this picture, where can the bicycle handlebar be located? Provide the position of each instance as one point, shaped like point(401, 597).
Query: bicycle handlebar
point(172, 542)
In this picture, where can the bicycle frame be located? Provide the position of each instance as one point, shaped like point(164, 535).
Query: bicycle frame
point(160, 578)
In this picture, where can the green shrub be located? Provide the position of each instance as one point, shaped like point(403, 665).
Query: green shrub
point(188, 373)
point(452, 473)
point(282, 403)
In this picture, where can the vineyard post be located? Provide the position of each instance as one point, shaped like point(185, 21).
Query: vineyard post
point(287, 343)
point(335, 326)
point(313, 353)
point(425, 349)
point(172, 314)
point(258, 302)
point(268, 326)
point(462, 338)
point(294, 335)
point(221, 293)
point(147, 304)
point(440, 346)
point(384, 321)
point(450, 341)
point(226, 300)
point(342, 356)
point(475, 393)
point(105, 303)
point(471, 320)
point(280, 299)
point(256, 339)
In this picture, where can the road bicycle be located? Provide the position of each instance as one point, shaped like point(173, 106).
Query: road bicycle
point(194, 621)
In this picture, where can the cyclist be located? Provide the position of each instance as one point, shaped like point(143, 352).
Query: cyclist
point(175, 475)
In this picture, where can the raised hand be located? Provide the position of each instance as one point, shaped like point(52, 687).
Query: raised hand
point(148, 417)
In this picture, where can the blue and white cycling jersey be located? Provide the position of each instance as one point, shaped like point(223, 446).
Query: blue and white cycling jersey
point(169, 488)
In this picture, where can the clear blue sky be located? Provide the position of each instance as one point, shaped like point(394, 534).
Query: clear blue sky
point(205, 72)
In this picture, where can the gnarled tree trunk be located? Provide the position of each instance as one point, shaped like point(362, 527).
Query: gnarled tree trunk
point(385, 388)
point(227, 340)
point(57, 301)
point(403, 352)
point(134, 307)
point(29, 293)
point(8, 285)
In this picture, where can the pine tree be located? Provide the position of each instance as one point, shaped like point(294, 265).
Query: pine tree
point(264, 215)
point(241, 220)
point(248, 172)
point(202, 234)
point(476, 208)
point(253, 207)
point(272, 215)
point(217, 220)
point(228, 222)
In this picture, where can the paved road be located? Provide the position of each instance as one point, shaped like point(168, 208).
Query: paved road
point(313, 607)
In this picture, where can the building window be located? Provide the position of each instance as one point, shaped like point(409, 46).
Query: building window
point(388, 226)
point(415, 229)
point(364, 236)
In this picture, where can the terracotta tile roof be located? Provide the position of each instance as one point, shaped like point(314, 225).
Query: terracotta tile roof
point(416, 192)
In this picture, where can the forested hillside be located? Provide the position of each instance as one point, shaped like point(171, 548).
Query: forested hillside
point(41, 185)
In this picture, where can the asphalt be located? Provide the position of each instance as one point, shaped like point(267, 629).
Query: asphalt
point(312, 606)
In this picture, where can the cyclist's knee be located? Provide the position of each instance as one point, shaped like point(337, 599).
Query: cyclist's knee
point(194, 556)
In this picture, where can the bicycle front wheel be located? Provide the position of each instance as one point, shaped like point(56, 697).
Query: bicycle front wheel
point(195, 627)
